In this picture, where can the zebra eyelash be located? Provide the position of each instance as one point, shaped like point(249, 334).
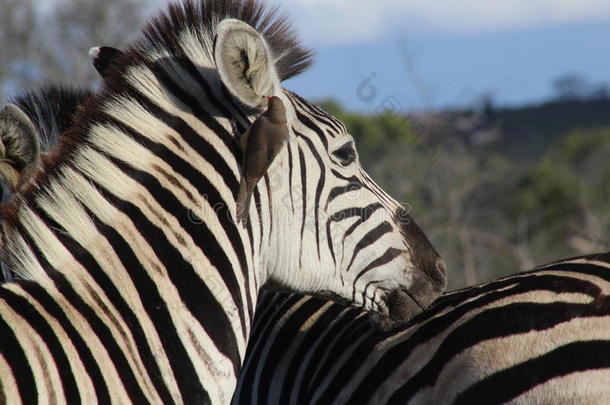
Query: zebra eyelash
point(346, 154)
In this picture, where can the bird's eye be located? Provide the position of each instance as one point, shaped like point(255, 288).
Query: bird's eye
point(346, 154)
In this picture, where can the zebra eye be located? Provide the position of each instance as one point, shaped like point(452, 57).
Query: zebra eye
point(346, 154)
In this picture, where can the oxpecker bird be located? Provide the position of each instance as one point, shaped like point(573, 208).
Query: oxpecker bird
point(260, 144)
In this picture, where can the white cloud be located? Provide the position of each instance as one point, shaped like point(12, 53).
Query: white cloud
point(323, 21)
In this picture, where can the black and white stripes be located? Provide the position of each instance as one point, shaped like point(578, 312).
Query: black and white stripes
point(136, 285)
point(536, 337)
point(137, 316)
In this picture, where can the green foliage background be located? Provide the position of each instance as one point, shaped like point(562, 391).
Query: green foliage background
point(537, 192)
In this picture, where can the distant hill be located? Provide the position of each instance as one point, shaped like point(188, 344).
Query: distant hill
point(524, 132)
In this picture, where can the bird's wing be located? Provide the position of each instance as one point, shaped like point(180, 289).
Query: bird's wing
point(243, 140)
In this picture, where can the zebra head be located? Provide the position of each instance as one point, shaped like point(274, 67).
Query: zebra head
point(333, 226)
point(328, 217)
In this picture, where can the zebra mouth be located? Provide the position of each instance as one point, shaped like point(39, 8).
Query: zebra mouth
point(399, 307)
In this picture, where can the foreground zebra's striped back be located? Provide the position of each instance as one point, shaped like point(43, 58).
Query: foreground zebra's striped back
point(539, 337)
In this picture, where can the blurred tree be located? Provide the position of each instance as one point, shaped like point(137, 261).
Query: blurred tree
point(490, 213)
point(49, 41)
point(570, 87)
point(17, 20)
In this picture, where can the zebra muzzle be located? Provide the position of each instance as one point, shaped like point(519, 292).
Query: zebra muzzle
point(401, 307)
point(403, 304)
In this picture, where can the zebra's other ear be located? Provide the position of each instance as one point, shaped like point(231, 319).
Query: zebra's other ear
point(245, 63)
point(19, 147)
point(103, 57)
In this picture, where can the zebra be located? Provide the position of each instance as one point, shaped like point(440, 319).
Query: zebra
point(456, 352)
point(135, 283)
point(537, 337)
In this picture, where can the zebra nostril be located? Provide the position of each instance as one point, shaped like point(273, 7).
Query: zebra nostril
point(441, 266)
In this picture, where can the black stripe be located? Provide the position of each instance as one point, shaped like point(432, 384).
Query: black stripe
point(217, 161)
point(270, 207)
point(432, 324)
point(314, 374)
point(387, 257)
point(329, 241)
point(363, 214)
point(338, 174)
point(316, 112)
point(354, 331)
point(88, 262)
point(313, 107)
point(371, 237)
point(52, 308)
point(258, 206)
point(319, 187)
point(194, 73)
point(200, 232)
point(508, 384)
point(156, 308)
point(314, 333)
point(256, 346)
point(376, 190)
point(98, 327)
point(36, 321)
point(194, 292)
point(499, 322)
point(239, 113)
point(251, 239)
point(287, 333)
point(303, 199)
point(14, 355)
point(310, 124)
point(368, 211)
point(290, 165)
point(340, 190)
point(268, 305)
point(200, 113)
point(599, 257)
point(583, 268)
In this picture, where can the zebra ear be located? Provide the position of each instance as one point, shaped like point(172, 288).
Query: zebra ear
point(103, 58)
point(245, 63)
point(19, 147)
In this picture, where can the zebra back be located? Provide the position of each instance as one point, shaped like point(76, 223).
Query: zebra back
point(535, 337)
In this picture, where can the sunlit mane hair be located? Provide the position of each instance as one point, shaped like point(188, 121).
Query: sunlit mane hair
point(289, 56)
point(162, 36)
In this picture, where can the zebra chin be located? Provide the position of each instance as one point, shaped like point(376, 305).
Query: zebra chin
point(401, 305)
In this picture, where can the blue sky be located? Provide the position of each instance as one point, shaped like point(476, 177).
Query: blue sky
point(433, 54)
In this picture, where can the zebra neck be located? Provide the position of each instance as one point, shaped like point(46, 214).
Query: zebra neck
point(145, 203)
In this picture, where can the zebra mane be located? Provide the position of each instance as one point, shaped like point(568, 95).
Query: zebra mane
point(163, 35)
point(164, 30)
point(51, 109)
